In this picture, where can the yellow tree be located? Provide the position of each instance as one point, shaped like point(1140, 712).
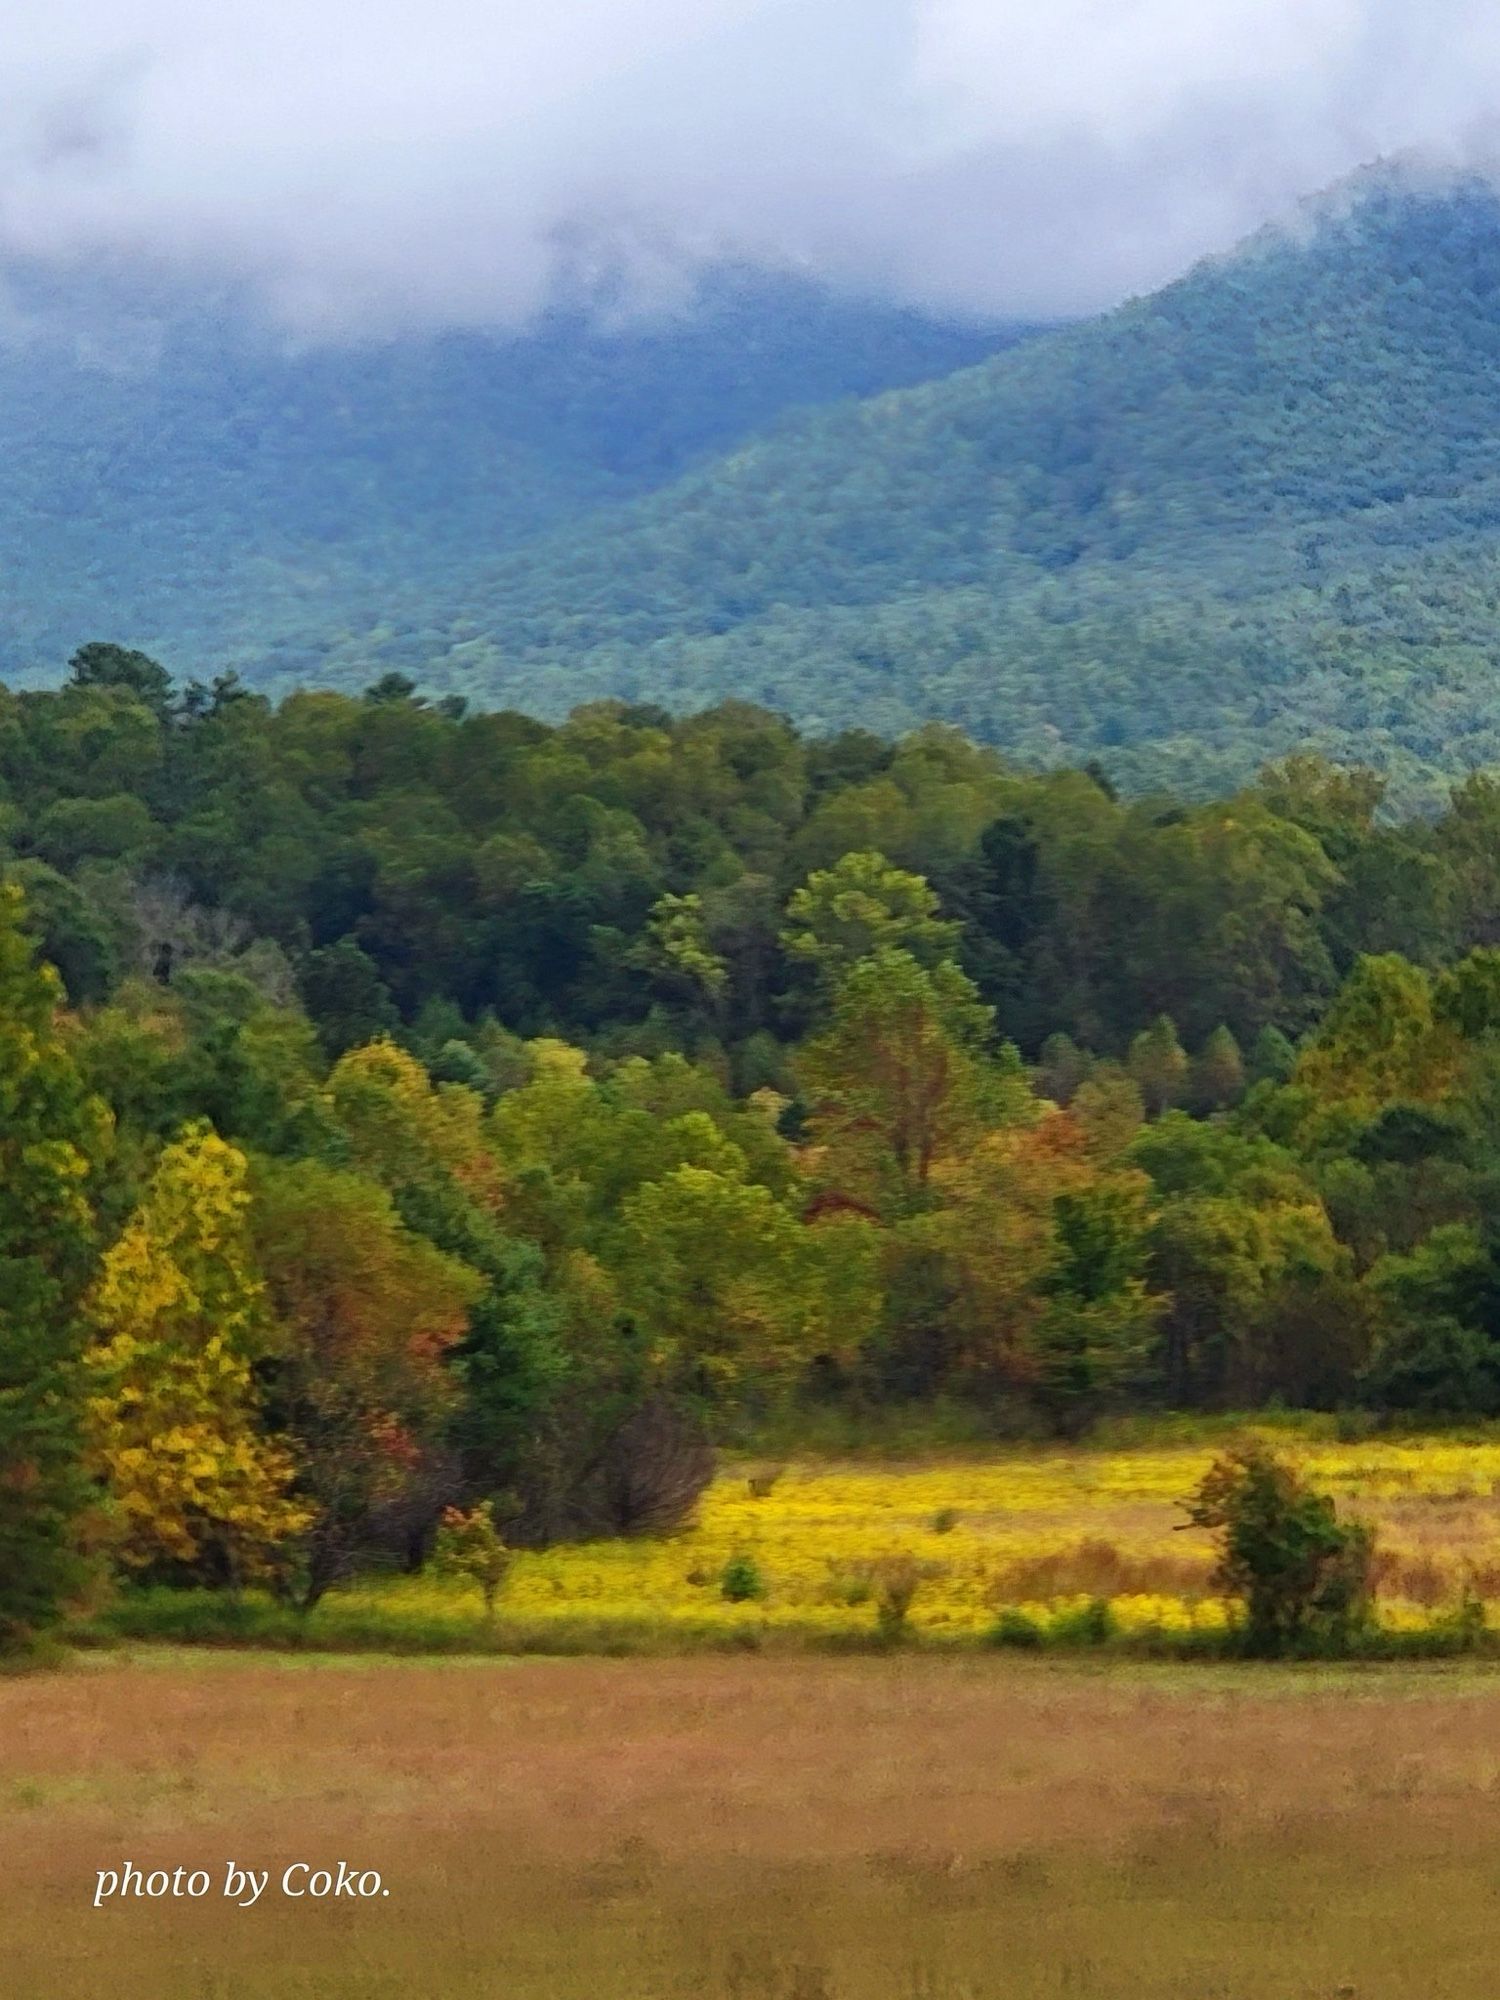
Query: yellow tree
point(179, 1314)
point(405, 1131)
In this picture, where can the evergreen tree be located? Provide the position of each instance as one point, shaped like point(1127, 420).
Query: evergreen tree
point(1159, 1065)
point(1062, 1068)
point(52, 1133)
point(1219, 1073)
point(1272, 1058)
point(100, 664)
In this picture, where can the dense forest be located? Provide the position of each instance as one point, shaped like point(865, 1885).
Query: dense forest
point(1253, 512)
point(402, 1107)
point(1250, 514)
point(171, 464)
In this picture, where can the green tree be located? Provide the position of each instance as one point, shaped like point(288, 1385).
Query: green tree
point(1218, 1074)
point(898, 1076)
point(678, 955)
point(1159, 1065)
point(1098, 1318)
point(732, 1291)
point(1062, 1069)
point(53, 1137)
point(348, 1000)
point(1244, 1254)
point(862, 905)
point(1436, 1354)
point(1303, 1577)
point(100, 664)
point(1380, 1040)
point(1272, 1057)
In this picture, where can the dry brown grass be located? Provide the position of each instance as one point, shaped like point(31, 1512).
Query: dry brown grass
point(1430, 1548)
point(1098, 1567)
point(898, 1829)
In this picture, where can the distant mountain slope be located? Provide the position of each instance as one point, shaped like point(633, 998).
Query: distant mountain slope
point(167, 474)
point(1256, 510)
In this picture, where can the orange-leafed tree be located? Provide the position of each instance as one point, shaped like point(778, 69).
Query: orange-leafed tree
point(369, 1314)
point(897, 1079)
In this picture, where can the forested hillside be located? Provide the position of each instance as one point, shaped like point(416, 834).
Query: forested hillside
point(235, 498)
point(1254, 511)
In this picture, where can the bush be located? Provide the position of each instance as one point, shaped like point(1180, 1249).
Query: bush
point(470, 1546)
point(1466, 1628)
point(653, 1471)
point(1014, 1628)
point(1302, 1577)
point(849, 1584)
point(896, 1581)
point(640, 1473)
point(741, 1580)
point(1091, 1624)
point(945, 1520)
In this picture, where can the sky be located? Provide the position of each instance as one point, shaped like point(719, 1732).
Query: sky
point(380, 164)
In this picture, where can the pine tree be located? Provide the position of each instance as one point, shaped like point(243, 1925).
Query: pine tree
point(897, 1077)
point(1219, 1073)
point(1272, 1057)
point(1062, 1067)
point(1159, 1065)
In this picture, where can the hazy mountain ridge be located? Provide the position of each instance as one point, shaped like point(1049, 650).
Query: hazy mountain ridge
point(169, 471)
point(1256, 509)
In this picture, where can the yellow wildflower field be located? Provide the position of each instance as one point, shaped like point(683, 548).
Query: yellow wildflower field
point(1046, 1532)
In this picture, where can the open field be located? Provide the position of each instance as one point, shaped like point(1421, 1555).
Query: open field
point(912, 1828)
point(1045, 1531)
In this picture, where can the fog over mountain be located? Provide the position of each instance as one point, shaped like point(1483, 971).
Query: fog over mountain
point(389, 164)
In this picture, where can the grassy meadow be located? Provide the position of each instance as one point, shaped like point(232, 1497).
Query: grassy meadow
point(835, 1818)
point(907, 1828)
point(1046, 1535)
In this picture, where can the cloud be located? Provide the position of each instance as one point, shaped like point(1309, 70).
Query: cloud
point(374, 163)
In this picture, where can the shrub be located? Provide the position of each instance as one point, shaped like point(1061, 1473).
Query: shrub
point(895, 1581)
point(945, 1520)
point(1090, 1624)
point(471, 1547)
point(653, 1471)
point(849, 1584)
point(1466, 1627)
point(1302, 1577)
point(1014, 1628)
point(741, 1580)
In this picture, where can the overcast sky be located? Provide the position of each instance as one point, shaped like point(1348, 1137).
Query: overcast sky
point(384, 162)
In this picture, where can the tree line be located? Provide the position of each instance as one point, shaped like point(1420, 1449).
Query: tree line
point(405, 1111)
